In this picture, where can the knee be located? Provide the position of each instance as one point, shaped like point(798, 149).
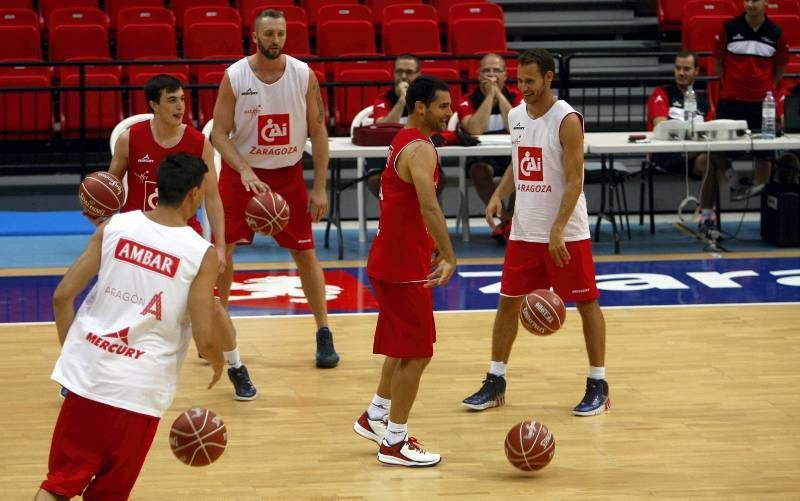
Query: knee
point(590, 307)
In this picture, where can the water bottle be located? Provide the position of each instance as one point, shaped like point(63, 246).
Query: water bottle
point(690, 109)
point(768, 117)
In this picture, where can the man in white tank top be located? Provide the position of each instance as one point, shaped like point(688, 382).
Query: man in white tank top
point(549, 245)
point(268, 104)
point(122, 351)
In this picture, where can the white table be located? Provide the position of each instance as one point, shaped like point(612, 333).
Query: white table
point(343, 147)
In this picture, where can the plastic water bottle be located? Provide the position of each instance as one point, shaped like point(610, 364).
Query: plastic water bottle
point(690, 109)
point(768, 117)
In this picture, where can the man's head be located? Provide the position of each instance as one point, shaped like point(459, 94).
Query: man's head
point(755, 9)
point(686, 68)
point(492, 68)
point(535, 74)
point(164, 94)
point(428, 103)
point(269, 33)
point(180, 179)
point(407, 67)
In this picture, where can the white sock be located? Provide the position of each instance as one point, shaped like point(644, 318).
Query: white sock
point(597, 372)
point(497, 368)
point(378, 408)
point(232, 357)
point(395, 433)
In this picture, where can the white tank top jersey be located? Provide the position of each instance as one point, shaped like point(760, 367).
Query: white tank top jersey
point(270, 126)
point(537, 160)
point(128, 340)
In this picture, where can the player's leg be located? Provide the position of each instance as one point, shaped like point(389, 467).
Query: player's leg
point(243, 388)
point(372, 422)
point(225, 279)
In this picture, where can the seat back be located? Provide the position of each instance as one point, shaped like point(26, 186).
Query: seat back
point(25, 114)
point(211, 76)
point(20, 43)
point(211, 14)
point(114, 7)
point(86, 41)
point(14, 16)
point(707, 8)
point(102, 108)
point(698, 36)
point(344, 12)
point(46, 7)
point(378, 6)
point(425, 39)
point(203, 40)
point(78, 15)
point(342, 36)
point(297, 39)
point(791, 28)
point(312, 8)
point(474, 10)
point(179, 7)
point(150, 41)
point(783, 7)
point(670, 14)
point(145, 15)
point(352, 99)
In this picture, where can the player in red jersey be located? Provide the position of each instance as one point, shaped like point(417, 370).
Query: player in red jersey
point(137, 155)
point(412, 238)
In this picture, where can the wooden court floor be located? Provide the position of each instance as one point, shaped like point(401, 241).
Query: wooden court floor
point(704, 407)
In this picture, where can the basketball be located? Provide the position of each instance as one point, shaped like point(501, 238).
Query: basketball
point(198, 437)
point(267, 213)
point(542, 312)
point(101, 194)
point(530, 446)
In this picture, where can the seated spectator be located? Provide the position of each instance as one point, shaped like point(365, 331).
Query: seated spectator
point(666, 103)
point(485, 111)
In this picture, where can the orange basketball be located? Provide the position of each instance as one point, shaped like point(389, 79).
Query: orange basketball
point(530, 446)
point(198, 437)
point(267, 213)
point(542, 312)
point(101, 194)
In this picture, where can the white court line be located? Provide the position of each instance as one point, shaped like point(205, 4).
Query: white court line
point(367, 313)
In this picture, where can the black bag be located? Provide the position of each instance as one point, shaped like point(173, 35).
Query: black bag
point(458, 137)
point(780, 214)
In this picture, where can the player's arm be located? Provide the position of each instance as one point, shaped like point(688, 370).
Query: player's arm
point(476, 123)
point(75, 280)
point(571, 136)
point(396, 112)
point(216, 215)
point(201, 311)
point(658, 109)
point(220, 137)
point(119, 162)
point(420, 162)
point(315, 115)
point(504, 189)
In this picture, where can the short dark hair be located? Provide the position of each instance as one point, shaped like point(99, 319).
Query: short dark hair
point(154, 86)
point(409, 57)
point(177, 174)
point(539, 57)
point(273, 13)
point(687, 53)
point(424, 89)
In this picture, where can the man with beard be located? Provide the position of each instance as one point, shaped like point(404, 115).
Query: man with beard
point(268, 104)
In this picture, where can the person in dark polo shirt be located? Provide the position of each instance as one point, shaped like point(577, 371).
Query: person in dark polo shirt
point(750, 56)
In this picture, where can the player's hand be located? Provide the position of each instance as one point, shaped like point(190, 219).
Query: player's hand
point(436, 258)
point(401, 88)
point(222, 258)
point(487, 87)
point(217, 367)
point(317, 203)
point(441, 274)
point(96, 221)
point(252, 183)
point(494, 209)
point(558, 248)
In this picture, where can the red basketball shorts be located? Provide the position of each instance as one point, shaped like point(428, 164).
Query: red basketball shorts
point(97, 440)
point(288, 182)
point(529, 266)
point(405, 328)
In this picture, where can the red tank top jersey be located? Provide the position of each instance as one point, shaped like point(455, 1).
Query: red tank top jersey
point(144, 157)
point(402, 249)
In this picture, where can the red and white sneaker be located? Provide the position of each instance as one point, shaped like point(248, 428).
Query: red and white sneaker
point(369, 428)
point(409, 452)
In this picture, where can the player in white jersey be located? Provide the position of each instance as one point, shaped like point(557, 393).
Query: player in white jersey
point(268, 104)
point(549, 244)
point(122, 351)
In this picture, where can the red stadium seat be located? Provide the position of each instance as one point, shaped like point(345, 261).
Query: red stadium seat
point(670, 14)
point(181, 6)
point(145, 15)
point(20, 43)
point(16, 4)
point(698, 36)
point(46, 7)
point(341, 37)
point(29, 114)
point(113, 7)
point(411, 35)
point(378, 6)
point(209, 75)
point(783, 7)
point(405, 11)
point(139, 75)
point(297, 39)
point(69, 41)
point(475, 10)
point(791, 28)
point(102, 108)
point(152, 41)
point(432, 60)
point(250, 9)
point(443, 8)
point(13, 16)
point(350, 100)
point(202, 40)
point(707, 8)
point(312, 8)
point(474, 36)
point(211, 15)
point(449, 75)
point(344, 12)
point(78, 15)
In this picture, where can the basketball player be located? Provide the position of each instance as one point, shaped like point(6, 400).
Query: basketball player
point(410, 231)
point(549, 244)
point(137, 154)
point(120, 359)
point(268, 104)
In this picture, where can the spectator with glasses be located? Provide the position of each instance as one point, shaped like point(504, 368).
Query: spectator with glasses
point(485, 111)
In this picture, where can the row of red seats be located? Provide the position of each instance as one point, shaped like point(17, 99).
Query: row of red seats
point(674, 14)
point(149, 32)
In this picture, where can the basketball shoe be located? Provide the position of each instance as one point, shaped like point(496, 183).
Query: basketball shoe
point(243, 388)
point(491, 394)
point(596, 399)
point(327, 358)
point(372, 429)
point(409, 452)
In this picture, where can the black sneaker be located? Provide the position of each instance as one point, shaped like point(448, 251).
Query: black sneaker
point(491, 394)
point(243, 388)
point(596, 400)
point(327, 358)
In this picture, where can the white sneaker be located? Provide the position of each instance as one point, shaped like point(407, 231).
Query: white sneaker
point(407, 453)
point(369, 428)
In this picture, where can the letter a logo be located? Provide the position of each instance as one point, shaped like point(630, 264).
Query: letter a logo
point(153, 307)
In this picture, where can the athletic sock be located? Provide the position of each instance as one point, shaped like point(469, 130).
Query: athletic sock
point(597, 372)
point(378, 408)
point(497, 368)
point(232, 357)
point(395, 433)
